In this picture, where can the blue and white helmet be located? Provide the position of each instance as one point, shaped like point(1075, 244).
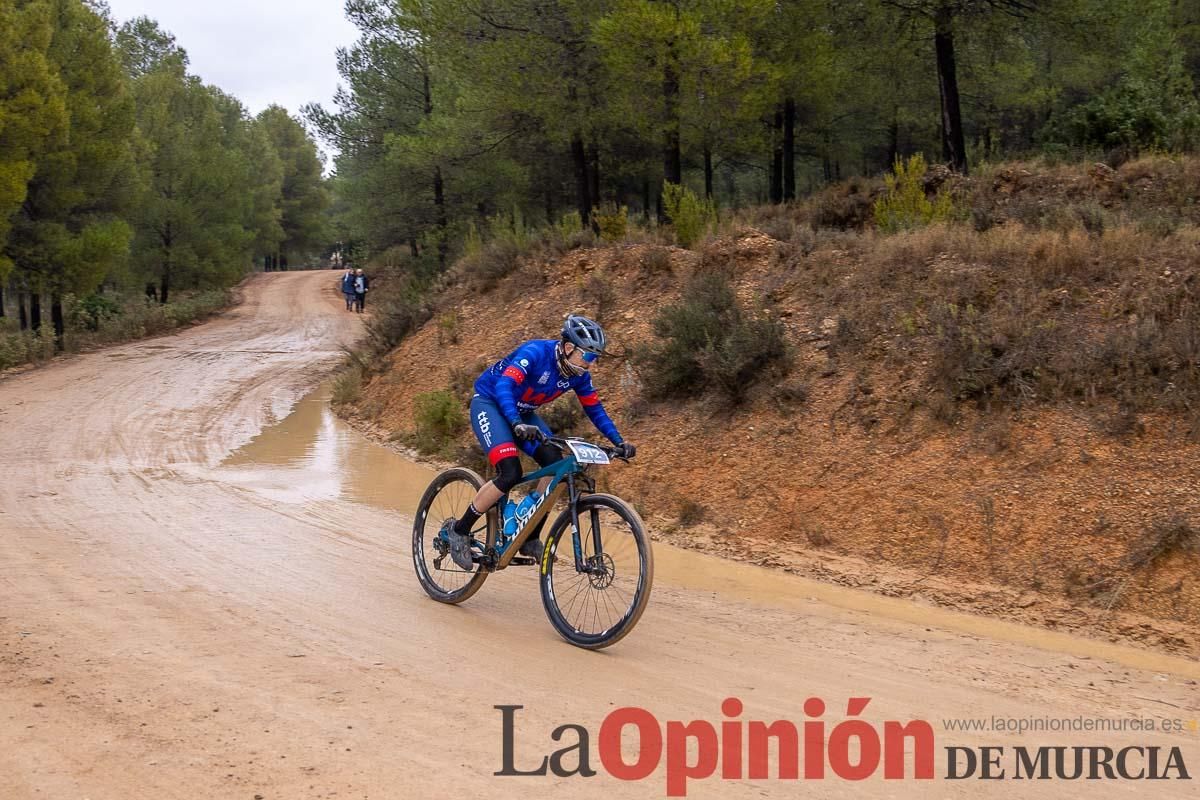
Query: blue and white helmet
point(585, 334)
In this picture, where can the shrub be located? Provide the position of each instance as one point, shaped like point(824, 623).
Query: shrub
point(690, 215)
point(569, 234)
point(90, 312)
point(612, 221)
point(569, 225)
point(979, 356)
point(709, 343)
point(599, 295)
point(690, 512)
point(1093, 216)
point(779, 227)
point(438, 418)
point(849, 210)
point(1166, 536)
point(26, 346)
point(751, 348)
point(657, 259)
point(102, 319)
point(462, 380)
point(448, 328)
point(905, 205)
point(687, 330)
point(491, 263)
point(1132, 116)
point(581, 239)
point(347, 387)
point(397, 314)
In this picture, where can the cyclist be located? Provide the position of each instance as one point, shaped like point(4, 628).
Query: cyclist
point(503, 412)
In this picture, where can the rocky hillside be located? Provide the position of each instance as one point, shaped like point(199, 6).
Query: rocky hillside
point(994, 414)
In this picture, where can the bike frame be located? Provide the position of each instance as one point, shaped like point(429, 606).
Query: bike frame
point(564, 474)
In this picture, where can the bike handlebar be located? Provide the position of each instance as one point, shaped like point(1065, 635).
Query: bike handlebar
point(561, 444)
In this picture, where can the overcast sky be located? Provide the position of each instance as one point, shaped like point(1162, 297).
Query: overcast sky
point(260, 51)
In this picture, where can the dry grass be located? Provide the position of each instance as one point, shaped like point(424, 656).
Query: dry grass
point(1172, 534)
point(1015, 314)
point(1070, 283)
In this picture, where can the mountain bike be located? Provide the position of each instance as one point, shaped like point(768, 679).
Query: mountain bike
point(595, 594)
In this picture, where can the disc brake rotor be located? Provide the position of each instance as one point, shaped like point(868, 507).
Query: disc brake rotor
point(601, 571)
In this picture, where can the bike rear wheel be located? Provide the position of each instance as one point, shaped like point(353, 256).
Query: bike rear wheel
point(448, 496)
point(598, 607)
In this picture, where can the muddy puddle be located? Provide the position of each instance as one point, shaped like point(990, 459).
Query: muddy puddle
point(313, 455)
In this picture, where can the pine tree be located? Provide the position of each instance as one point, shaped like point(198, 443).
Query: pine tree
point(33, 108)
point(303, 194)
point(69, 232)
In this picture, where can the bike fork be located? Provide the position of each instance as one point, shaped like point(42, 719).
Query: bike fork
point(577, 532)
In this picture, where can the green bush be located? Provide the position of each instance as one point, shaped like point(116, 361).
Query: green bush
point(94, 309)
point(1133, 116)
point(400, 308)
point(438, 418)
point(569, 225)
point(24, 347)
point(102, 319)
point(612, 220)
point(690, 215)
point(448, 328)
point(347, 387)
point(709, 343)
point(491, 263)
point(751, 349)
point(1000, 354)
point(904, 206)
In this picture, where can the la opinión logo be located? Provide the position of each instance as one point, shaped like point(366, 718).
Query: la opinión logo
point(738, 742)
point(854, 749)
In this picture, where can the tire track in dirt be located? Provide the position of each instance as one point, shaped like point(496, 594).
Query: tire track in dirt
point(166, 632)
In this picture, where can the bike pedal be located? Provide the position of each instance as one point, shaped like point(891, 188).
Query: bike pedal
point(523, 561)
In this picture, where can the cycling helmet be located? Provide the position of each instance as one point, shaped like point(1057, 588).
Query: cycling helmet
point(584, 334)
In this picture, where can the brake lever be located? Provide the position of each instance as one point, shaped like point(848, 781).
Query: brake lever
point(613, 454)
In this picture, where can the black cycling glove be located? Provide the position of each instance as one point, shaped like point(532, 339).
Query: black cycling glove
point(528, 433)
point(624, 450)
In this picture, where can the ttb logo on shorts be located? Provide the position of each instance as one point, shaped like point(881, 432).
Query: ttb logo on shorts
point(485, 427)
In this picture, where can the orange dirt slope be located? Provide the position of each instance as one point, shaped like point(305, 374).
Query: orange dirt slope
point(1026, 517)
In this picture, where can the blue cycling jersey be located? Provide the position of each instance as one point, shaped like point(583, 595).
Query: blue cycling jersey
point(528, 377)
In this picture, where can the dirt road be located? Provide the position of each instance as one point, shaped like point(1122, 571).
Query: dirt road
point(171, 627)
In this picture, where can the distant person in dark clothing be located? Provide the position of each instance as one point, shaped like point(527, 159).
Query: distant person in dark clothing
point(348, 288)
point(361, 285)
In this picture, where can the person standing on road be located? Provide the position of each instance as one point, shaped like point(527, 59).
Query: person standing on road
point(361, 285)
point(348, 288)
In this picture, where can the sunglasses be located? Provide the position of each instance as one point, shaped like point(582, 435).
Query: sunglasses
point(590, 357)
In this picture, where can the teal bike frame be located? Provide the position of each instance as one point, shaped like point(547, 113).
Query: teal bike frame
point(565, 475)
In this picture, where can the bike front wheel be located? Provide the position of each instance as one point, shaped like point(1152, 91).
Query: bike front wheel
point(448, 496)
point(598, 606)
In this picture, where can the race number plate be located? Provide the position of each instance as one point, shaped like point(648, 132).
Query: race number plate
point(587, 453)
